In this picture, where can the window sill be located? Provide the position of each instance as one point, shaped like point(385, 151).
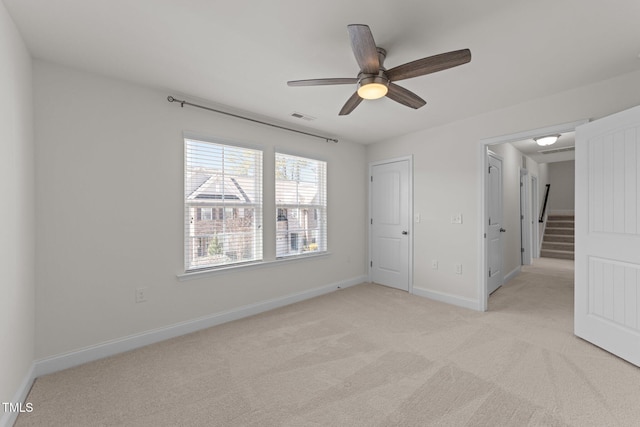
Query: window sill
point(182, 277)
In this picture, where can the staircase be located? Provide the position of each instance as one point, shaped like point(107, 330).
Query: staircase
point(558, 237)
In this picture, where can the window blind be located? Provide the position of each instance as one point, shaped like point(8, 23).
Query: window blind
point(301, 203)
point(223, 205)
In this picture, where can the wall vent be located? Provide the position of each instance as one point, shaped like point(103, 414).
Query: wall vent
point(302, 116)
point(557, 150)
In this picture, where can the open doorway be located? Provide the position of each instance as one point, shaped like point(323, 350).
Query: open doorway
point(507, 147)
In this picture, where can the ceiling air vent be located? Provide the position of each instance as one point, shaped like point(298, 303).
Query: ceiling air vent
point(557, 150)
point(302, 116)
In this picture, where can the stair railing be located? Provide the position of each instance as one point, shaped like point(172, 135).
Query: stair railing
point(544, 205)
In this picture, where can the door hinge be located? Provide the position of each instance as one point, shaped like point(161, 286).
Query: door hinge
point(371, 264)
point(522, 250)
point(371, 221)
point(485, 235)
point(489, 272)
point(371, 178)
point(521, 216)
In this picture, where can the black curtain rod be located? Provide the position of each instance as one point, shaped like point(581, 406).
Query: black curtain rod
point(183, 103)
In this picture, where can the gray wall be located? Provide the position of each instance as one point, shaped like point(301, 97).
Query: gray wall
point(110, 217)
point(17, 212)
point(562, 180)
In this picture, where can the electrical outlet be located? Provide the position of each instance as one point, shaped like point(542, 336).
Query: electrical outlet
point(417, 217)
point(434, 264)
point(458, 268)
point(141, 295)
point(456, 219)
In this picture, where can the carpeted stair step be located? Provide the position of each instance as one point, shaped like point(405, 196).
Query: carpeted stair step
point(561, 246)
point(561, 231)
point(561, 218)
point(565, 238)
point(552, 253)
point(560, 224)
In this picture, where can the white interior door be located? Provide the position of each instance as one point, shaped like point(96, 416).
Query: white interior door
point(607, 234)
point(525, 221)
point(390, 221)
point(494, 227)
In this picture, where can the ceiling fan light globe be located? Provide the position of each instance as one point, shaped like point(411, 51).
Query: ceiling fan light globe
point(373, 91)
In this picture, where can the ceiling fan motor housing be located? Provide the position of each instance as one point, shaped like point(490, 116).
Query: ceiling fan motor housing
point(365, 79)
point(378, 79)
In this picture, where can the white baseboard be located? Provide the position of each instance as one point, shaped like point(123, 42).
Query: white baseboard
point(120, 345)
point(512, 274)
point(448, 298)
point(8, 419)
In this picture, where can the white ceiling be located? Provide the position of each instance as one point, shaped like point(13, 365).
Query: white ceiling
point(240, 54)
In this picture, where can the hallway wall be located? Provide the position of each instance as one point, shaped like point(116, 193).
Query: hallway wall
point(562, 180)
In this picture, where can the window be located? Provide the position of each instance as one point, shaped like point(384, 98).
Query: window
point(301, 204)
point(205, 214)
point(223, 205)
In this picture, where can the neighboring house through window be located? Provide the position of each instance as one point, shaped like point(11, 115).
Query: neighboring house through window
point(301, 203)
point(223, 204)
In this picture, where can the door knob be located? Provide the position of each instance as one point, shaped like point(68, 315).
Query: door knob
point(405, 233)
point(502, 230)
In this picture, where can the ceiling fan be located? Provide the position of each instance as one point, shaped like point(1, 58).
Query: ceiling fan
point(374, 81)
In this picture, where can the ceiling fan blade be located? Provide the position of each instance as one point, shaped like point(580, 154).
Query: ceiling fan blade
point(429, 65)
point(364, 48)
point(404, 96)
point(351, 104)
point(322, 82)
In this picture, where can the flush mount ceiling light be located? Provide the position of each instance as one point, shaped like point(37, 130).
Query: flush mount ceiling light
point(373, 87)
point(546, 140)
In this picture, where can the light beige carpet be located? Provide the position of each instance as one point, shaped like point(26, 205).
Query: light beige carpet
point(364, 356)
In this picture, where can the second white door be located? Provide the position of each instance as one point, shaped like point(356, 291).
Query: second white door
point(390, 221)
point(494, 228)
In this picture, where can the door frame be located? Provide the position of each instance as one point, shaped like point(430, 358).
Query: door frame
point(482, 162)
point(408, 159)
point(535, 229)
point(526, 257)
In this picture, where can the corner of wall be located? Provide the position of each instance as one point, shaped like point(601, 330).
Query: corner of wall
point(17, 211)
